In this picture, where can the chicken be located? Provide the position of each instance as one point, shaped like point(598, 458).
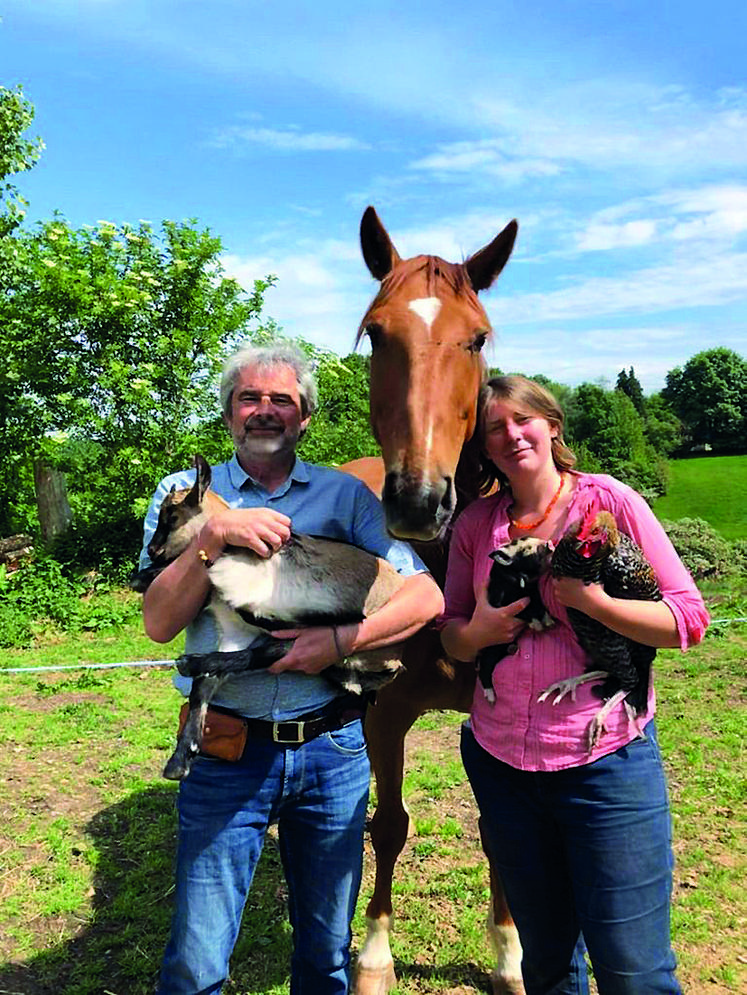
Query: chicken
point(514, 574)
point(597, 552)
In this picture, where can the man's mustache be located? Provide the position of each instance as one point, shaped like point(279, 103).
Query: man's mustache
point(262, 422)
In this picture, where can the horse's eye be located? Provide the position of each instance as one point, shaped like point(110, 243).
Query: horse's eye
point(375, 334)
point(478, 342)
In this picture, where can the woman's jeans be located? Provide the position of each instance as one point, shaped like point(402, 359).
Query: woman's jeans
point(584, 851)
point(318, 794)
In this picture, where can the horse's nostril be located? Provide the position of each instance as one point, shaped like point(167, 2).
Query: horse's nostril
point(447, 501)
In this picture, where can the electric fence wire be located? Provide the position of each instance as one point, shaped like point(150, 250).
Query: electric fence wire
point(170, 663)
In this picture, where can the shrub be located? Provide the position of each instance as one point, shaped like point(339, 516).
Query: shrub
point(702, 549)
point(40, 594)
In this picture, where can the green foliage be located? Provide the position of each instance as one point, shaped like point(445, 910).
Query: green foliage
point(702, 549)
point(17, 154)
point(709, 394)
point(114, 337)
point(608, 435)
point(41, 594)
point(340, 431)
point(629, 384)
point(663, 427)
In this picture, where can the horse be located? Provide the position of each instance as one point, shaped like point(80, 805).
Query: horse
point(426, 328)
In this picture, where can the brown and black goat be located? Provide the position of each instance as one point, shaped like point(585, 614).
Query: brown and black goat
point(308, 581)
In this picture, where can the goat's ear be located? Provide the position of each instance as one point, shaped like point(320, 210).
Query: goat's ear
point(201, 484)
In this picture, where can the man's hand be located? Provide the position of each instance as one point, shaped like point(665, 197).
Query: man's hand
point(314, 649)
point(263, 530)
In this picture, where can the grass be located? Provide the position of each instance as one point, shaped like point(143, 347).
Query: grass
point(710, 488)
point(87, 832)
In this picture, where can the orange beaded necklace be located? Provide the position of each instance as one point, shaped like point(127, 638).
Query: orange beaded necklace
point(548, 509)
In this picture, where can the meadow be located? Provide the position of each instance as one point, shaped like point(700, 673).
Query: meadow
point(87, 831)
point(705, 488)
point(87, 824)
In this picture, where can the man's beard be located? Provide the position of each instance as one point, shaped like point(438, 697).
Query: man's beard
point(264, 445)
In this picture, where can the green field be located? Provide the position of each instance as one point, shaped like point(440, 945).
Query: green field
point(712, 488)
point(87, 832)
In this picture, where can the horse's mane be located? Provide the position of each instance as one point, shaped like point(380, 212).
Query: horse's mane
point(437, 271)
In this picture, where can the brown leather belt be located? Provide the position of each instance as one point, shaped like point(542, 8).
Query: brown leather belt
point(294, 732)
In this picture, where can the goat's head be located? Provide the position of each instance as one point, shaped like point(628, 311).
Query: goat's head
point(182, 515)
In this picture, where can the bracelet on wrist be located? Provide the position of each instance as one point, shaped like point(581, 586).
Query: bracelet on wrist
point(205, 558)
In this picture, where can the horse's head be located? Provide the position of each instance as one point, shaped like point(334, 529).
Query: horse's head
point(426, 328)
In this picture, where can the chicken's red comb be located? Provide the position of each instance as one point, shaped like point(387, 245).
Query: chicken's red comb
point(587, 522)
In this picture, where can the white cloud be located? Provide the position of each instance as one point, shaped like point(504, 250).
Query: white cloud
point(487, 157)
point(287, 140)
point(699, 282)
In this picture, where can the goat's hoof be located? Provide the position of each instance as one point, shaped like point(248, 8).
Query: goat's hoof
point(175, 770)
point(374, 980)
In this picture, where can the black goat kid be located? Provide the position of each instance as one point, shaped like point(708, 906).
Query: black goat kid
point(308, 581)
point(514, 574)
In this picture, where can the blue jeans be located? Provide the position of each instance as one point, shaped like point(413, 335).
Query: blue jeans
point(584, 853)
point(318, 793)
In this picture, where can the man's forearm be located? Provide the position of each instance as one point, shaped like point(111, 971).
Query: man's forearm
point(418, 601)
point(176, 596)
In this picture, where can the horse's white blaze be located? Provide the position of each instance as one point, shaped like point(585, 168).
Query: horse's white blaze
point(426, 308)
point(376, 955)
point(507, 948)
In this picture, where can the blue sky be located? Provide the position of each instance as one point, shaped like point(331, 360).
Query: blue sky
point(615, 132)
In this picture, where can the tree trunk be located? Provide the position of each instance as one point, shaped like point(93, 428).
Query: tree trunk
point(51, 500)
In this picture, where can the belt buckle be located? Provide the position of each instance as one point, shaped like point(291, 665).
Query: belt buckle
point(276, 737)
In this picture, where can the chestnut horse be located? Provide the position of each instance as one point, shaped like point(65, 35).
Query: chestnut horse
point(426, 328)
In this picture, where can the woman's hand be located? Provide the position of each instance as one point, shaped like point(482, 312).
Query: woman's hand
point(488, 627)
point(263, 530)
point(571, 592)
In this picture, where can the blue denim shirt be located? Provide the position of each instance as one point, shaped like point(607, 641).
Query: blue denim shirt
point(320, 501)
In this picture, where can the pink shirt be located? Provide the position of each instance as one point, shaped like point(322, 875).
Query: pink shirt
point(518, 729)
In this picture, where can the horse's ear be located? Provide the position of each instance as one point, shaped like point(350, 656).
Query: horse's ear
point(378, 252)
point(484, 266)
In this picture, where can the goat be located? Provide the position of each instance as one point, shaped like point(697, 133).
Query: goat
point(514, 574)
point(308, 581)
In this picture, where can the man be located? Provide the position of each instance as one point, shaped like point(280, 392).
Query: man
point(316, 790)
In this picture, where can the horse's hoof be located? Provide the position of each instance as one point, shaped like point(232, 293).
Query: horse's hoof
point(374, 980)
point(508, 986)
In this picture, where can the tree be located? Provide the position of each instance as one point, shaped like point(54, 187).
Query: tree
point(608, 435)
point(340, 430)
point(663, 427)
point(113, 338)
point(709, 395)
point(16, 154)
point(629, 384)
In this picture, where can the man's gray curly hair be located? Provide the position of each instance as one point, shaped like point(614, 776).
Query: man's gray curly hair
point(267, 357)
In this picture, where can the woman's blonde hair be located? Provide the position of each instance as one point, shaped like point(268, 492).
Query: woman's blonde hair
point(533, 398)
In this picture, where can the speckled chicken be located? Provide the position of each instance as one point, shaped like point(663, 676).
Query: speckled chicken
point(596, 551)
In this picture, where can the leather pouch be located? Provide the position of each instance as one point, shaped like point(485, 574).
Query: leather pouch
point(223, 736)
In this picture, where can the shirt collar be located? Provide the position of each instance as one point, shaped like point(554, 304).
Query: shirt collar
point(240, 478)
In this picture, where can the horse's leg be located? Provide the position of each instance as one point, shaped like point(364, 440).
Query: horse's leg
point(506, 975)
point(386, 728)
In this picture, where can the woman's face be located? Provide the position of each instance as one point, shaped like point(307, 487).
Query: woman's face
point(517, 439)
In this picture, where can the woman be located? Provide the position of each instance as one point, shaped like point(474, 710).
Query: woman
point(580, 836)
